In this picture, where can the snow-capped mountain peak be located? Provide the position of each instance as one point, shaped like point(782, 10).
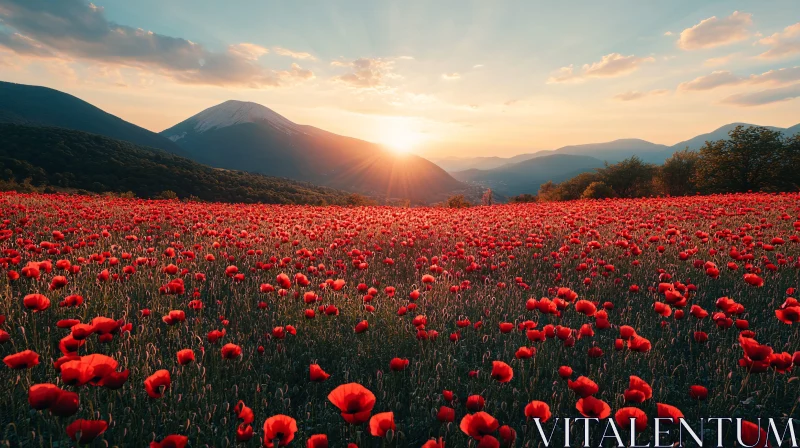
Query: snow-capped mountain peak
point(234, 112)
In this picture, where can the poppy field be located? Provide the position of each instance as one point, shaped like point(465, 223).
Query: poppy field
point(128, 322)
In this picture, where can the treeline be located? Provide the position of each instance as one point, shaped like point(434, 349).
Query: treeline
point(36, 158)
point(752, 159)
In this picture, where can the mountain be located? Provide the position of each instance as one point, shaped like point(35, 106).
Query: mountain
point(611, 151)
point(41, 106)
point(528, 175)
point(453, 164)
point(50, 159)
point(720, 133)
point(248, 136)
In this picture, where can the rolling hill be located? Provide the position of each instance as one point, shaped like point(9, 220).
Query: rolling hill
point(63, 159)
point(613, 151)
point(527, 176)
point(248, 136)
point(42, 106)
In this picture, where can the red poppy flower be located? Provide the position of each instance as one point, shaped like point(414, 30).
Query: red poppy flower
point(623, 418)
point(231, 351)
point(185, 356)
point(538, 409)
point(667, 411)
point(479, 425)
point(525, 353)
point(502, 372)
point(43, 396)
point(753, 435)
point(171, 441)
point(638, 390)
point(753, 280)
point(88, 430)
point(354, 401)
point(698, 392)
point(65, 405)
point(593, 408)
point(22, 360)
point(397, 364)
point(317, 441)
point(565, 372)
point(489, 442)
point(362, 326)
point(381, 423)
point(36, 302)
point(446, 414)
point(433, 443)
point(115, 380)
point(316, 373)
point(583, 386)
point(475, 403)
point(244, 433)
point(280, 428)
point(155, 382)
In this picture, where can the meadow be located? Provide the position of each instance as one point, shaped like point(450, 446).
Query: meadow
point(130, 322)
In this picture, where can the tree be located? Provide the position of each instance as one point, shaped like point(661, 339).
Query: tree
point(357, 200)
point(457, 201)
point(598, 190)
point(487, 198)
point(546, 190)
point(523, 198)
point(677, 176)
point(752, 159)
point(167, 194)
point(629, 178)
point(570, 189)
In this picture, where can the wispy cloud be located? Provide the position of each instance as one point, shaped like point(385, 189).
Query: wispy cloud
point(451, 76)
point(714, 32)
point(726, 78)
point(293, 54)
point(784, 43)
point(611, 65)
point(763, 97)
point(634, 95)
point(366, 73)
point(78, 30)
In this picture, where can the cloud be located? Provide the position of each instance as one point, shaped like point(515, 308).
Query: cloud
point(293, 54)
point(610, 65)
point(713, 32)
point(785, 43)
point(366, 73)
point(73, 29)
point(251, 52)
point(637, 95)
point(24, 45)
point(763, 97)
point(668, 33)
point(451, 76)
point(725, 78)
point(477, 66)
point(722, 60)
point(711, 81)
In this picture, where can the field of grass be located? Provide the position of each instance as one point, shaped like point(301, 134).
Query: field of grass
point(673, 291)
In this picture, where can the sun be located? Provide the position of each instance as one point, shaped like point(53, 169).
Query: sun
point(400, 136)
point(404, 143)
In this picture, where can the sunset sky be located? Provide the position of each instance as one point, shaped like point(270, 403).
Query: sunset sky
point(441, 78)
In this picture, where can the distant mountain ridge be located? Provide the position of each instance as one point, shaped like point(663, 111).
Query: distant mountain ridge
point(249, 136)
point(42, 106)
point(528, 175)
point(613, 151)
point(54, 158)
